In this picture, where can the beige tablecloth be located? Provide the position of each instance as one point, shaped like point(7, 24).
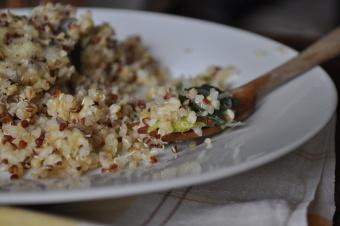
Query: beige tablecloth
point(290, 191)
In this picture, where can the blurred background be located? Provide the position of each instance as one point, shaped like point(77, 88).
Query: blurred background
point(296, 23)
point(282, 18)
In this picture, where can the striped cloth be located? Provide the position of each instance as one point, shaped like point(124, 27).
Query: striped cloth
point(296, 190)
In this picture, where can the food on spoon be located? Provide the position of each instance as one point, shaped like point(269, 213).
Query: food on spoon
point(74, 98)
point(190, 109)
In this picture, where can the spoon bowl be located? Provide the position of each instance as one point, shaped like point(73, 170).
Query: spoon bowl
point(246, 96)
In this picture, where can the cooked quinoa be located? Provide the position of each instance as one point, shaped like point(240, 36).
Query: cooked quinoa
point(75, 99)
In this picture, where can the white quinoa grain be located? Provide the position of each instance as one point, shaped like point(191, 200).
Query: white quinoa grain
point(208, 143)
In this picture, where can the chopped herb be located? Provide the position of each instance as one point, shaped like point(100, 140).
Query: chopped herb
point(225, 98)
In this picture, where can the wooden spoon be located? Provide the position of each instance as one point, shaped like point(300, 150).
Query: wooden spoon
point(248, 94)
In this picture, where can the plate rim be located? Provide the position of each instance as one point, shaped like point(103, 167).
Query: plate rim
point(87, 194)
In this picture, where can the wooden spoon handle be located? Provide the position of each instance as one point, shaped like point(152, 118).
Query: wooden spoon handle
point(321, 51)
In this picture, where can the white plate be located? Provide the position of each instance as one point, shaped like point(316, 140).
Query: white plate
point(284, 120)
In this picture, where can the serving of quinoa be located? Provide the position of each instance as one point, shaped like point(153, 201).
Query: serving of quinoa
point(74, 98)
